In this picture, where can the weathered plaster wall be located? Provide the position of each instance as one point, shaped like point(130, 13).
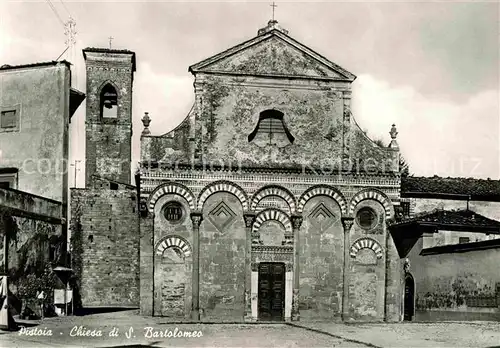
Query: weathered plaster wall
point(447, 285)
point(453, 237)
point(321, 256)
point(367, 271)
point(489, 209)
point(231, 113)
point(105, 242)
point(35, 247)
point(40, 148)
point(227, 110)
point(222, 261)
point(172, 281)
point(108, 140)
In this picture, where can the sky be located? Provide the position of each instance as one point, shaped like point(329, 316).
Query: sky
point(431, 68)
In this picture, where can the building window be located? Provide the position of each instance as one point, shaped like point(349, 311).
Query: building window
point(366, 218)
point(271, 130)
point(9, 119)
point(463, 240)
point(109, 102)
point(8, 178)
point(173, 212)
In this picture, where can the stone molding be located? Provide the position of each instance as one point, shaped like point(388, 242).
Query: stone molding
point(273, 190)
point(222, 186)
point(374, 194)
point(273, 214)
point(366, 242)
point(323, 190)
point(174, 188)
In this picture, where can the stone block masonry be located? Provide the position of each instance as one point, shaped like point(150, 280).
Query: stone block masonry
point(105, 240)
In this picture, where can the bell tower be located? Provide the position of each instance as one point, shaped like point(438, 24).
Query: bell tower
point(108, 122)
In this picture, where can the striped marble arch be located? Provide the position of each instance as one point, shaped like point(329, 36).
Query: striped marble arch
point(173, 241)
point(222, 186)
point(273, 190)
point(366, 243)
point(174, 188)
point(273, 214)
point(322, 190)
point(375, 195)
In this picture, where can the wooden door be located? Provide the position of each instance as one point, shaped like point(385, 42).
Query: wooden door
point(271, 300)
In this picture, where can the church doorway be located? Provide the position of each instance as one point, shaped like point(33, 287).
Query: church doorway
point(409, 300)
point(271, 292)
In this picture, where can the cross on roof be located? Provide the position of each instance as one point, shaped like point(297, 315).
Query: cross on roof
point(273, 6)
point(110, 39)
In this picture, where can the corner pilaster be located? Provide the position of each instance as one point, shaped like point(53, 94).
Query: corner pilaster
point(249, 221)
point(347, 223)
point(296, 223)
point(196, 218)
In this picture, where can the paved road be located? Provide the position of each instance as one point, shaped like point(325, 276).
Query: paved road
point(147, 332)
point(78, 331)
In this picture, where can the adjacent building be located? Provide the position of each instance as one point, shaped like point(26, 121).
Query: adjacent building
point(36, 105)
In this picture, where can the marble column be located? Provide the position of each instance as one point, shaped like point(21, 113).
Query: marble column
point(347, 224)
point(249, 220)
point(296, 223)
point(288, 291)
point(254, 289)
point(196, 218)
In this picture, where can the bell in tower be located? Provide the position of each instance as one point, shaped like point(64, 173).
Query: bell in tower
point(109, 102)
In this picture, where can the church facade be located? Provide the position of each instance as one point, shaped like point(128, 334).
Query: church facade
point(268, 202)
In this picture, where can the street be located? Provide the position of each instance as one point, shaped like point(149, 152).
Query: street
point(128, 329)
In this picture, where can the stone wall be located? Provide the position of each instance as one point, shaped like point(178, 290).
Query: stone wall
point(321, 257)
point(39, 149)
point(105, 244)
point(367, 268)
point(222, 258)
point(172, 273)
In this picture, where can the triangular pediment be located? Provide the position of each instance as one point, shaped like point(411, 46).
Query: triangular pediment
point(273, 54)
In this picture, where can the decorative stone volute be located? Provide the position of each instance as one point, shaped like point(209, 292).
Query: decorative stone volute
point(146, 120)
point(271, 25)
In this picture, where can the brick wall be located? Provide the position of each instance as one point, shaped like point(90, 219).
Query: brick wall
point(105, 241)
point(108, 140)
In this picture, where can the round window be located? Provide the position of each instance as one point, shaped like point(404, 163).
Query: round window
point(367, 218)
point(173, 212)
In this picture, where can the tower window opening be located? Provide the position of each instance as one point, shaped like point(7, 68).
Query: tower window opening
point(271, 130)
point(109, 102)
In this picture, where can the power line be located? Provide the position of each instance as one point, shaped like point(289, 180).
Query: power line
point(65, 8)
point(62, 53)
point(55, 12)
